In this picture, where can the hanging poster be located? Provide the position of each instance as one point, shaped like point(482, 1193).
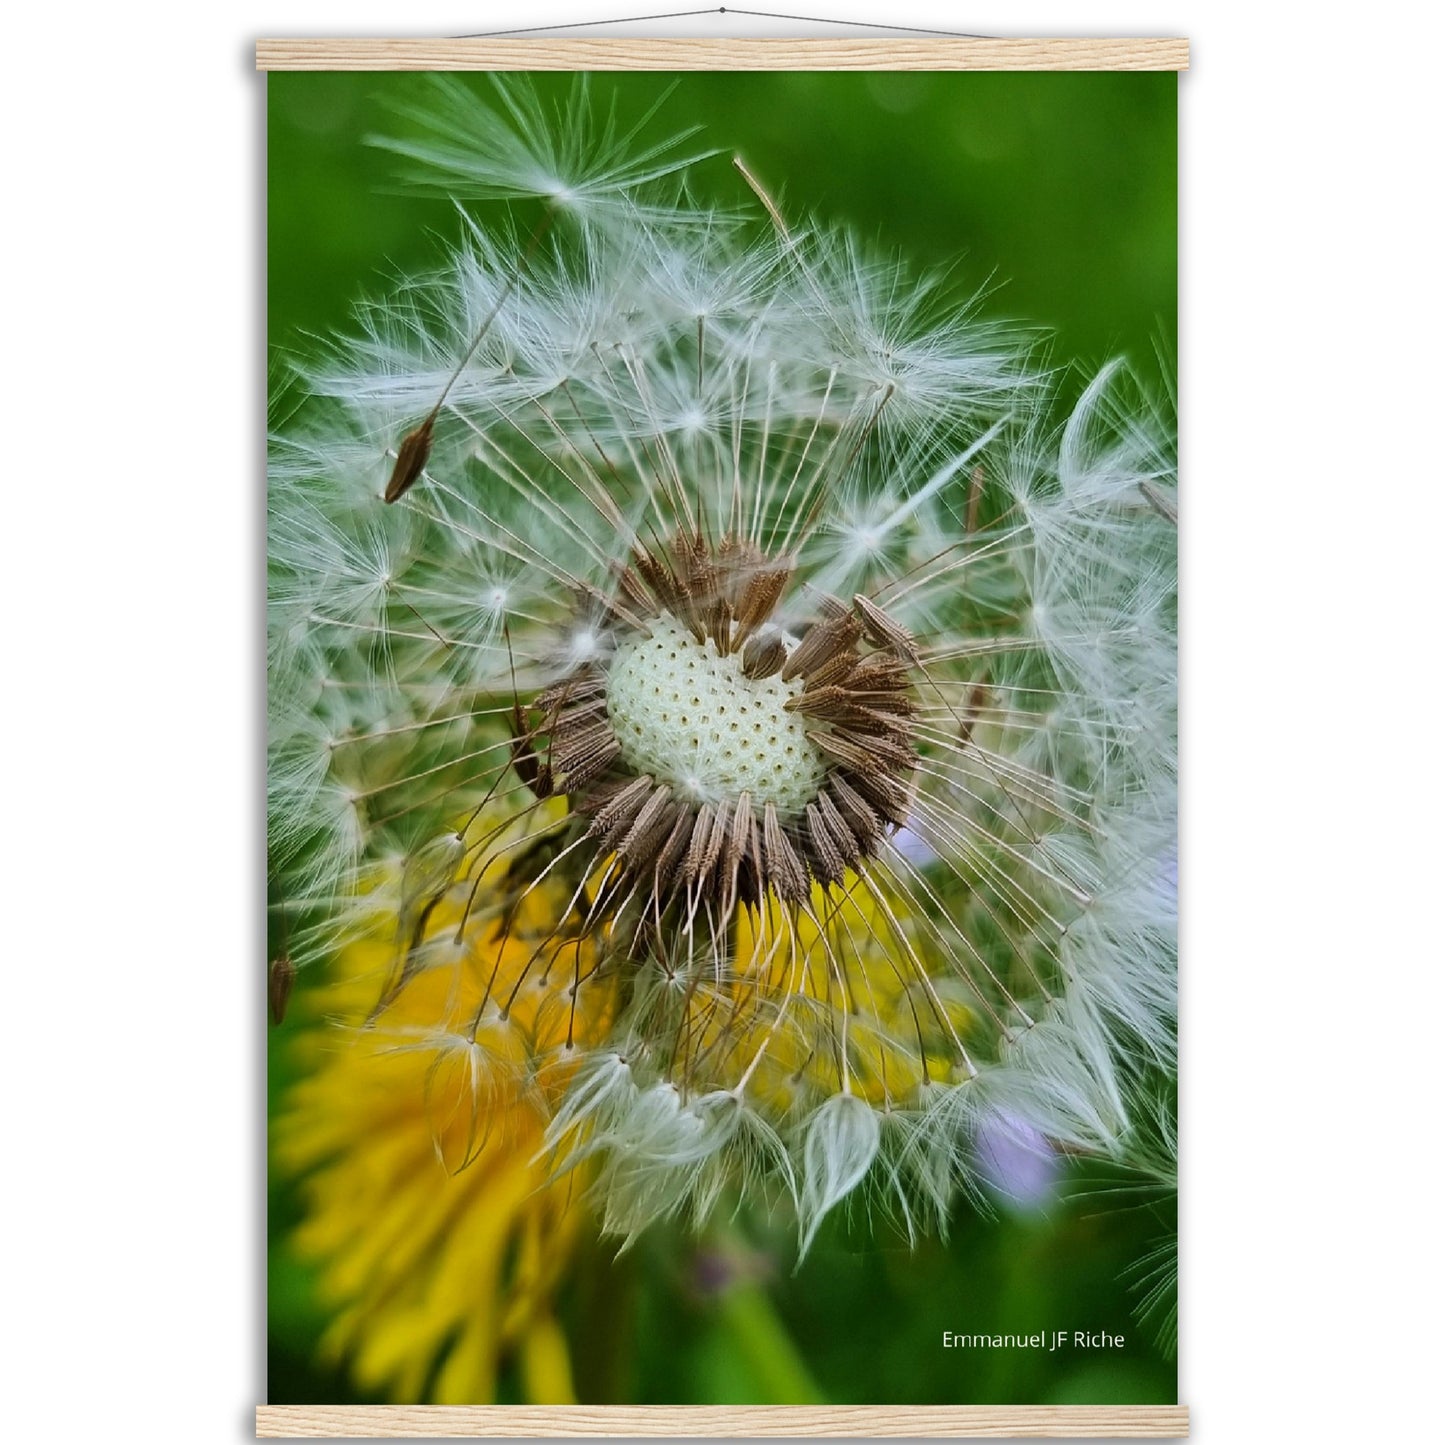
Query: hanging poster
point(722, 681)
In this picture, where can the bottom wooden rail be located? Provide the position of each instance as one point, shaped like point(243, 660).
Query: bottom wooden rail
point(1058, 1422)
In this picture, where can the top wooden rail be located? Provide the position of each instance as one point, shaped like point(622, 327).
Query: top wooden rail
point(722, 54)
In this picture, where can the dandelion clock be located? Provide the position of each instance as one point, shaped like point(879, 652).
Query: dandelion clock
point(722, 631)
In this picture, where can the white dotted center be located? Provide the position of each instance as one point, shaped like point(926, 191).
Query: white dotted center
point(683, 712)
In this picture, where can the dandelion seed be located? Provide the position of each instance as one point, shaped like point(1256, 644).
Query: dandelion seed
point(753, 615)
point(281, 979)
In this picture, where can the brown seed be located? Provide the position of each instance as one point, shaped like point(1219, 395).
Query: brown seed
point(785, 871)
point(670, 854)
point(579, 718)
point(823, 641)
point(740, 854)
point(835, 672)
point(535, 774)
point(977, 697)
point(587, 755)
point(737, 559)
point(280, 980)
point(707, 840)
point(879, 674)
point(882, 631)
point(884, 791)
point(659, 579)
point(828, 862)
point(616, 815)
point(763, 656)
point(760, 596)
point(717, 623)
point(653, 824)
point(844, 749)
point(692, 571)
point(411, 457)
point(586, 683)
point(743, 837)
point(833, 703)
point(851, 803)
point(894, 749)
point(630, 586)
point(842, 834)
point(850, 716)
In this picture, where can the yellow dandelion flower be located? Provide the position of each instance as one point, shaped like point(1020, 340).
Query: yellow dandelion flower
point(439, 1234)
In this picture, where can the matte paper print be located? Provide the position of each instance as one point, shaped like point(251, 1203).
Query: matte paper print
point(722, 657)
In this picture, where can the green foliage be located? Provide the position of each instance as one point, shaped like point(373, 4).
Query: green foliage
point(1059, 189)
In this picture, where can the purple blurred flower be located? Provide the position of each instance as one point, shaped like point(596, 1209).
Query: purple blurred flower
point(1018, 1163)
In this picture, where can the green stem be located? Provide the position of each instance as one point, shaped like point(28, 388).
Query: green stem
point(762, 1339)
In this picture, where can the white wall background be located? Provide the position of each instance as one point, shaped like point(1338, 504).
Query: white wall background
point(133, 319)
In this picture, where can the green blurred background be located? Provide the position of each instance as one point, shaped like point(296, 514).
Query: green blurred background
point(1056, 191)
